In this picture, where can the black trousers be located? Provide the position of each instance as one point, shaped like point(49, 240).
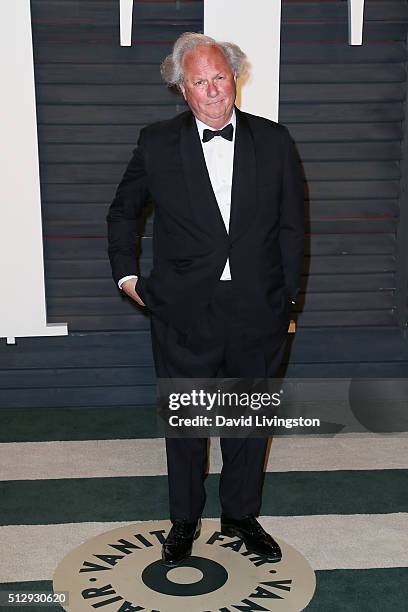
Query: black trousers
point(225, 341)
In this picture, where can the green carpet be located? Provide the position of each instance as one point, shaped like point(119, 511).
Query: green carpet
point(101, 423)
point(306, 500)
point(145, 497)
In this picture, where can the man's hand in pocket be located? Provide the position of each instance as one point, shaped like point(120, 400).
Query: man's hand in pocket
point(129, 288)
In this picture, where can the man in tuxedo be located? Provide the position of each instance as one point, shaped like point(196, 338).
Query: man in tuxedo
point(227, 259)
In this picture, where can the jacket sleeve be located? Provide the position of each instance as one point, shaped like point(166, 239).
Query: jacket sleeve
point(292, 230)
point(124, 214)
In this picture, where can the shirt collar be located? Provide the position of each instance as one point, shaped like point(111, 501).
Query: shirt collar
point(202, 126)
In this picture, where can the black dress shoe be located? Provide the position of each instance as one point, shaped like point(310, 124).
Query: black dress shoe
point(256, 539)
point(178, 544)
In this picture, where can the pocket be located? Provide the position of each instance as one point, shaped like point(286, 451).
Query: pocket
point(287, 300)
point(140, 288)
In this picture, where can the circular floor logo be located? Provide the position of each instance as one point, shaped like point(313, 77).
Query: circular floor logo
point(121, 571)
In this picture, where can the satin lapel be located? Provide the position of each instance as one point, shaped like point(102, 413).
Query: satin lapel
point(243, 192)
point(202, 199)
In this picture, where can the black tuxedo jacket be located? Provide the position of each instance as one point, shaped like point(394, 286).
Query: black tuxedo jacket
point(190, 242)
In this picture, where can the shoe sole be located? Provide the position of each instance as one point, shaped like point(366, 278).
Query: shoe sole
point(170, 564)
point(231, 532)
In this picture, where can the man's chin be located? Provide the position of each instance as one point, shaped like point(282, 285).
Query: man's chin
point(218, 115)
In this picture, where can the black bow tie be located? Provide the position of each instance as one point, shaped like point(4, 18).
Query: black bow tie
point(226, 132)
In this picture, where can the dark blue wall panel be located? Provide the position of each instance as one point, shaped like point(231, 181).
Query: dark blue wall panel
point(346, 110)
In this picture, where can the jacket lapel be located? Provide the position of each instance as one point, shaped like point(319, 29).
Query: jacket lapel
point(202, 199)
point(243, 192)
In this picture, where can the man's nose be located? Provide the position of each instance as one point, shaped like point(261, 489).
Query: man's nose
point(212, 90)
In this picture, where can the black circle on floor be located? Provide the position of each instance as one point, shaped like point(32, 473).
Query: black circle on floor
point(214, 577)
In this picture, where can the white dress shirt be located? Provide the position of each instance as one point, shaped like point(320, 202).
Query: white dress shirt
point(219, 158)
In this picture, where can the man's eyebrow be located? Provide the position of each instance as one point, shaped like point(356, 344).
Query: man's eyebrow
point(201, 78)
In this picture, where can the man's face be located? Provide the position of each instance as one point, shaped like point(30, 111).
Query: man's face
point(209, 85)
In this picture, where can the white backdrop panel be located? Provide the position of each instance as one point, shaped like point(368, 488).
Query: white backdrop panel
point(22, 303)
point(255, 27)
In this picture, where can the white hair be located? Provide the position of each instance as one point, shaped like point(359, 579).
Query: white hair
point(172, 67)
